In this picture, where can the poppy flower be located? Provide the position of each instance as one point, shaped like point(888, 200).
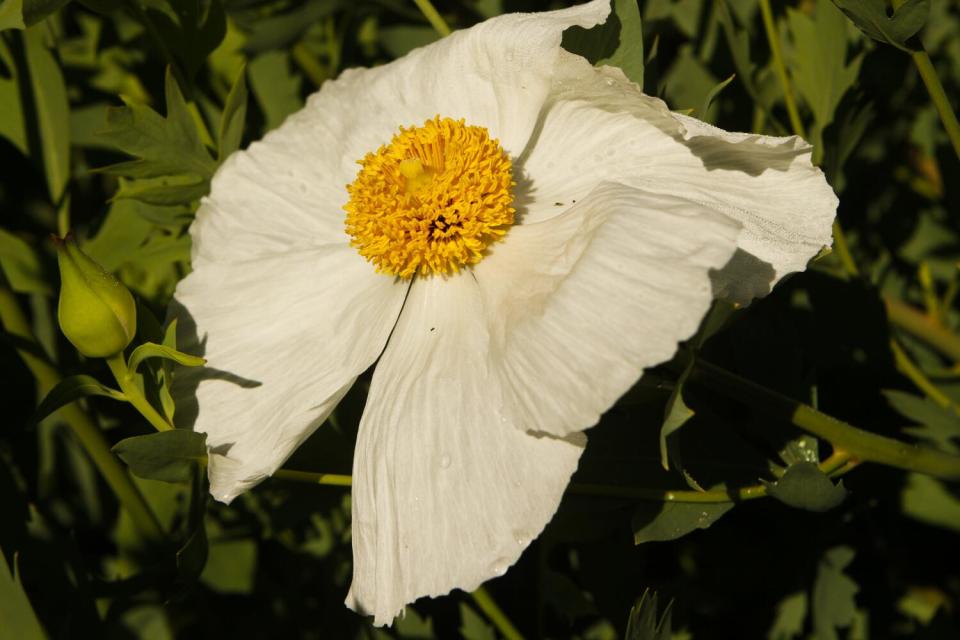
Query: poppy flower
point(525, 233)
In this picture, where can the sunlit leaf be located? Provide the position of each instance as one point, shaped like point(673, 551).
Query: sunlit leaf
point(151, 350)
point(51, 110)
point(162, 145)
point(11, 15)
point(21, 265)
point(233, 118)
point(618, 42)
point(16, 614)
point(275, 88)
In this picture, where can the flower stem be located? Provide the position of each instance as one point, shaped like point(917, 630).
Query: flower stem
point(780, 68)
point(923, 327)
point(133, 393)
point(861, 445)
point(330, 479)
point(921, 59)
point(84, 429)
point(433, 17)
point(843, 250)
point(906, 366)
point(493, 612)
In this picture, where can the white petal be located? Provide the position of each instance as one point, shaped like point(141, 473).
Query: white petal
point(288, 189)
point(447, 490)
point(598, 126)
point(284, 338)
point(580, 304)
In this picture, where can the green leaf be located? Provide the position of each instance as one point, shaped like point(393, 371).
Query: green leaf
point(233, 118)
point(401, 39)
point(658, 521)
point(51, 110)
point(18, 618)
point(646, 622)
point(712, 95)
point(13, 126)
point(165, 191)
point(275, 88)
point(232, 566)
point(805, 486)
point(70, 389)
point(169, 456)
point(871, 17)
point(473, 626)
point(833, 594)
point(688, 82)
point(929, 500)
point(152, 350)
point(282, 31)
point(192, 556)
point(21, 265)
point(162, 146)
point(677, 413)
point(11, 15)
point(414, 626)
point(789, 621)
point(819, 64)
point(938, 426)
point(147, 622)
point(36, 10)
point(196, 26)
point(618, 42)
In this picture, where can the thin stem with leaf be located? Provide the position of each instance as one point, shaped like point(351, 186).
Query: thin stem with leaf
point(81, 425)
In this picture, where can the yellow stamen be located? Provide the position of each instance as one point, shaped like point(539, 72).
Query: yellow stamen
point(432, 200)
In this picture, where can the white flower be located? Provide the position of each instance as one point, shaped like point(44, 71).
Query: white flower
point(512, 339)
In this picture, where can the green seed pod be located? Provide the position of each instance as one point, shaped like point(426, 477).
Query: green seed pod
point(96, 312)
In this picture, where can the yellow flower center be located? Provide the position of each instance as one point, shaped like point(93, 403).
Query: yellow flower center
point(432, 200)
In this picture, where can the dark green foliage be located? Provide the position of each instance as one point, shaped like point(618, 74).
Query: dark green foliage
point(114, 117)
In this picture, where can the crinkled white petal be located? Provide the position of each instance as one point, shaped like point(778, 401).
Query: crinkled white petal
point(580, 304)
point(597, 125)
point(448, 491)
point(284, 337)
point(288, 189)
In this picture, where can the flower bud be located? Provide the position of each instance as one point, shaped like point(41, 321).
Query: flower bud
point(96, 312)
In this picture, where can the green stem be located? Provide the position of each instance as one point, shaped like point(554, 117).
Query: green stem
point(861, 445)
point(928, 74)
point(309, 64)
point(780, 68)
point(923, 327)
point(906, 366)
point(134, 394)
point(495, 614)
point(842, 249)
point(433, 17)
point(84, 429)
point(330, 479)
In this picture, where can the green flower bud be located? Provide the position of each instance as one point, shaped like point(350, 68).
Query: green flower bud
point(96, 312)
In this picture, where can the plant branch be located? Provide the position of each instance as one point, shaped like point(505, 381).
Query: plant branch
point(493, 612)
point(861, 445)
point(924, 327)
point(133, 393)
point(780, 68)
point(433, 17)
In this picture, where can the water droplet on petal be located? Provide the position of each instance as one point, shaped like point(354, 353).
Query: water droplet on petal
point(445, 462)
point(609, 82)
